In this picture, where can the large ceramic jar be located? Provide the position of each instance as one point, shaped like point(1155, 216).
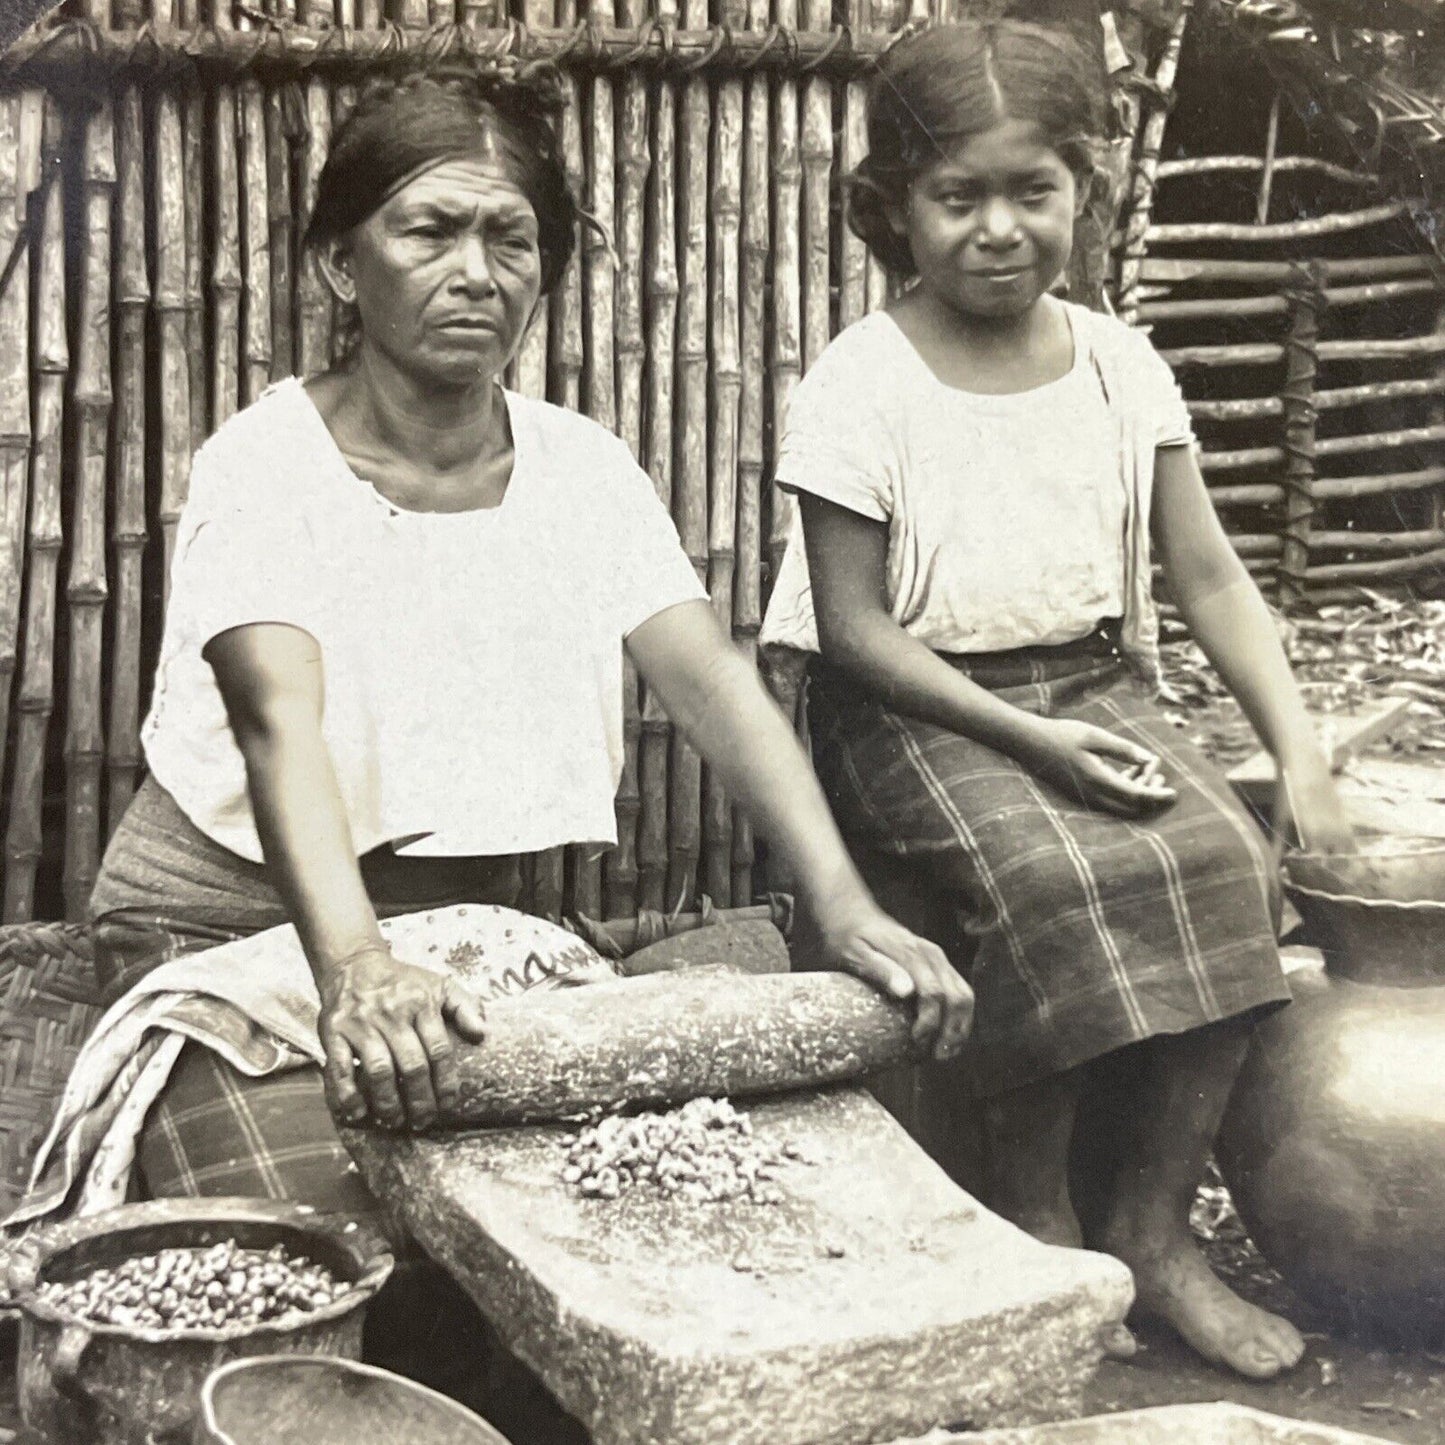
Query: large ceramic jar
point(1334, 1142)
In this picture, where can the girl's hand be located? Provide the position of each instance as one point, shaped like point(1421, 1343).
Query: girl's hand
point(388, 1051)
point(866, 942)
point(1096, 767)
point(1308, 795)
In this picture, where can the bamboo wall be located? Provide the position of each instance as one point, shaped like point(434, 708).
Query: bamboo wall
point(156, 169)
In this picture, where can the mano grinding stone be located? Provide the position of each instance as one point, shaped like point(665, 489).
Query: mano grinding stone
point(876, 1302)
point(669, 1037)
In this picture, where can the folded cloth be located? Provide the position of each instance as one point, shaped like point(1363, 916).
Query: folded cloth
point(254, 1002)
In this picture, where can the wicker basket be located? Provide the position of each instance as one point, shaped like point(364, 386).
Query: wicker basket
point(47, 1008)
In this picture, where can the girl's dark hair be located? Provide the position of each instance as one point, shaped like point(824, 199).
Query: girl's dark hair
point(406, 122)
point(936, 90)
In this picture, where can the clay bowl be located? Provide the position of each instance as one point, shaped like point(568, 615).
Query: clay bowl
point(314, 1400)
point(1377, 913)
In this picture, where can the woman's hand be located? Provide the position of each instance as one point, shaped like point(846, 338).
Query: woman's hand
point(866, 942)
point(388, 1050)
point(1308, 795)
point(1096, 767)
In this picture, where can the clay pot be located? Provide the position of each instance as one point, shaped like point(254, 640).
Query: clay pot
point(83, 1383)
point(311, 1400)
point(1333, 1145)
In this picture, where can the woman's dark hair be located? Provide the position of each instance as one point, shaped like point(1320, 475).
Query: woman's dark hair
point(406, 122)
point(936, 90)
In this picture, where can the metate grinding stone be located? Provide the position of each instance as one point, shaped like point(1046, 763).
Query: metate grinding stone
point(876, 1302)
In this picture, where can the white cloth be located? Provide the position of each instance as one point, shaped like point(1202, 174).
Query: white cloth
point(472, 660)
point(1013, 520)
point(255, 1003)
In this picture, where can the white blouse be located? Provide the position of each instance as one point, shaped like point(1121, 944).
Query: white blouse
point(1006, 515)
point(472, 660)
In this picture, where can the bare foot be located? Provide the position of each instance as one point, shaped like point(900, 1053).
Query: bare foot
point(1173, 1282)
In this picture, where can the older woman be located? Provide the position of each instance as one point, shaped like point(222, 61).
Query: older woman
point(392, 659)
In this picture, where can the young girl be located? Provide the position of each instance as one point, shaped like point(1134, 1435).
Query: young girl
point(981, 470)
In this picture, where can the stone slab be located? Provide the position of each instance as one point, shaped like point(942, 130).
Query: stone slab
point(877, 1301)
point(1220, 1423)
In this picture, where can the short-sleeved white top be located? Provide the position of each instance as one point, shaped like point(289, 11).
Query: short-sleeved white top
point(1006, 514)
point(472, 660)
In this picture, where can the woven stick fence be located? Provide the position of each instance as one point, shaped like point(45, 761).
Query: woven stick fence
point(159, 159)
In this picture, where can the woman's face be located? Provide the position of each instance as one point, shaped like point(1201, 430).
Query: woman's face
point(991, 226)
point(446, 274)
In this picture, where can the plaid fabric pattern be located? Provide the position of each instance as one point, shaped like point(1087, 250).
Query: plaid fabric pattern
point(1084, 932)
point(217, 1132)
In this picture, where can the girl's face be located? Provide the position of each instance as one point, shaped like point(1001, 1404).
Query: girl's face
point(445, 276)
point(991, 226)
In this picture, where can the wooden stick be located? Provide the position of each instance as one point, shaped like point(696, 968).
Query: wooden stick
point(132, 299)
point(1380, 441)
point(15, 187)
point(1263, 353)
point(1176, 270)
point(816, 157)
point(1247, 494)
point(1211, 462)
point(313, 298)
point(91, 402)
point(853, 254)
point(226, 276)
point(254, 164)
point(1335, 224)
point(785, 351)
point(50, 362)
point(662, 298)
point(1256, 544)
point(753, 265)
point(1432, 561)
point(1228, 308)
point(1417, 541)
point(690, 479)
point(1297, 394)
point(725, 213)
point(281, 225)
point(1267, 167)
point(1195, 166)
point(1136, 228)
point(1331, 400)
point(1383, 484)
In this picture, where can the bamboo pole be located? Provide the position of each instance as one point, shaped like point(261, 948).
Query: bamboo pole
point(313, 299)
point(1269, 162)
point(1175, 270)
point(1333, 399)
point(690, 474)
point(816, 163)
point(254, 164)
point(193, 127)
point(16, 183)
point(1378, 485)
point(753, 260)
point(1136, 229)
point(50, 362)
point(785, 350)
point(724, 322)
point(1381, 441)
point(1247, 494)
point(281, 228)
point(662, 299)
point(226, 275)
point(90, 402)
point(1301, 364)
point(633, 162)
point(1335, 224)
point(1234, 461)
point(128, 517)
point(1230, 308)
point(852, 253)
point(597, 883)
point(1195, 166)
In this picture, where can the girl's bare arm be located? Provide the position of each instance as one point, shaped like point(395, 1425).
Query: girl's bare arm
point(1228, 618)
point(847, 560)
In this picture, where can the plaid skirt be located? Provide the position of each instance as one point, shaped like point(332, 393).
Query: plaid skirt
point(166, 890)
point(1082, 932)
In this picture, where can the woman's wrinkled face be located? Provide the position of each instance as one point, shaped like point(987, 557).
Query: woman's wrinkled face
point(991, 225)
point(446, 274)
